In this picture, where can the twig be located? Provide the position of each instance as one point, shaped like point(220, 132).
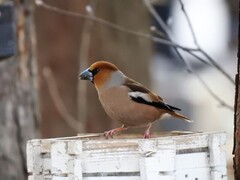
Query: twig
point(148, 36)
point(199, 58)
point(114, 26)
point(189, 23)
point(83, 61)
point(215, 64)
point(61, 108)
point(188, 68)
point(165, 30)
point(214, 95)
point(161, 34)
point(40, 3)
point(157, 32)
point(158, 19)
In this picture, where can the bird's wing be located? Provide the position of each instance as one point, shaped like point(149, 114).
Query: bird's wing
point(140, 94)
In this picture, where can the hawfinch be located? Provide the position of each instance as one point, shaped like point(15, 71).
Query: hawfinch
point(126, 100)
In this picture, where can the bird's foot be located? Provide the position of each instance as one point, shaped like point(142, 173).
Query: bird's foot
point(147, 132)
point(110, 133)
point(146, 135)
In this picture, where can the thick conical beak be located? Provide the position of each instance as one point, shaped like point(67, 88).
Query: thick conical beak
point(86, 75)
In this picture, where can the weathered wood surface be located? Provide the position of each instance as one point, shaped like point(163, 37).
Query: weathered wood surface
point(196, 155)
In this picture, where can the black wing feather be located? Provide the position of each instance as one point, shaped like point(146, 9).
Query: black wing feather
point(137, 87)
point(159, 105)
point(173, 108)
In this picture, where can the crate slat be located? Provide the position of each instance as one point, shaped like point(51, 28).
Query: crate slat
point(190, 156)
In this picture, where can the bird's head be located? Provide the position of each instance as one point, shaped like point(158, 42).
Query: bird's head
point(103, 75)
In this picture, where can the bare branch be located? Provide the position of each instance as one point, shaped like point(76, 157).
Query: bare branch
point(113, 26)
point(188, 68)
point(158, 19)
point(157, 32)
point(161, 34)
point(189, 23)
point(169, 41)
point(61, 108)
point(199, 58)
point(214, 95)
point(165, 29)
point(215, 64)
point(83, 62)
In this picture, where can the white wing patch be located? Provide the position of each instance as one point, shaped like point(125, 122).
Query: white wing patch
point(140, 94)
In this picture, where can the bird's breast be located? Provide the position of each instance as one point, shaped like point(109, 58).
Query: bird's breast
point(120, 107)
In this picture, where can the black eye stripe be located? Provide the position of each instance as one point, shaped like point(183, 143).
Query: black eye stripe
point(95, 71)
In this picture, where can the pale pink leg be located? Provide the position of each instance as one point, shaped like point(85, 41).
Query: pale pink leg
point(113, 131)
point(147, 132)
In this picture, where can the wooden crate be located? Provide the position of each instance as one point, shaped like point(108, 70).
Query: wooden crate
point(196, 156)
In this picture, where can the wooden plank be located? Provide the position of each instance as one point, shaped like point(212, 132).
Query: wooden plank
point(60, 178)
point(30, 157)
point(217, 157)
point(216, 175)
point(111, 164)
point(40, 177)
point(74, 147)
point(113, 178)
point(75, 169)
point(59, 158)
point(219, 172)
point(154, 145)
point(158, 161)
point(193, 160)
point(153, 168)
point(34, 160)
point(183, 142)
point(46, 166)
point(36, 177)
point(45, 146)
point(158, 158)
point(193, 174)
point(197, 140)
point(111, 144)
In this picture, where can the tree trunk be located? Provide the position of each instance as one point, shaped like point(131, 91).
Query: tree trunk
point(236, 148)
point(18, 115)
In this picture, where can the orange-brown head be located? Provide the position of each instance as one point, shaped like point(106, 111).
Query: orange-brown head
point(103, 74)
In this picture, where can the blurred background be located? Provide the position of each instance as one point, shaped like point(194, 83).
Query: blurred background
point(57, 39)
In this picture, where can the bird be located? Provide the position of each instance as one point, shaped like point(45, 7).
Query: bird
point(126, 100)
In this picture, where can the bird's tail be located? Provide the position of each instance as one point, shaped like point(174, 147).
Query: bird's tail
point(180, 116)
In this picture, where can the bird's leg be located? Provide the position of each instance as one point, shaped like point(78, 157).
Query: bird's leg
point(147, 132)
point(113, 131)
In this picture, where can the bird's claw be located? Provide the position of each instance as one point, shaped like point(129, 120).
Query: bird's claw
point(108, 134)
point(146, 135)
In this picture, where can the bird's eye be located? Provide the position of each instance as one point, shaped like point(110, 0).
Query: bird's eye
point(95, 71)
